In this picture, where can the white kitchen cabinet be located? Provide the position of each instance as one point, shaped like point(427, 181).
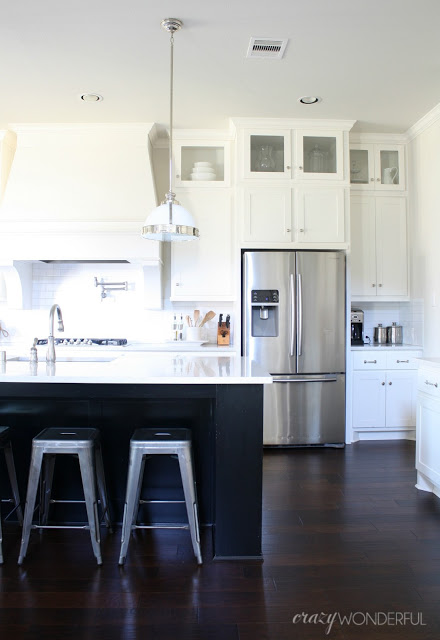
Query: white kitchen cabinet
point(384, 390)
point(265, 154)
point(428, 428)
point(377, 166)
point(319, 215)
point(203, 269)
point(319, 155)
point(195, 159)
point(379, 252)
point(267, 215)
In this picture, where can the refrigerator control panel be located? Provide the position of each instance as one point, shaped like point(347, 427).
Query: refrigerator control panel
point(265, 296)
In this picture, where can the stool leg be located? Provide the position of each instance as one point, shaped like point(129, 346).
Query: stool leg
point(34, 476)
point(48, 467)
point(13, 480)
point(102, 490)
point(133, 483)
point(186, 471)
point(86, 463)
point(1, 541)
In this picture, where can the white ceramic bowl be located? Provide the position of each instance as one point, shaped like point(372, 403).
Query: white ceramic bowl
point(202, 164)
point(203, 176)
point(203, 170)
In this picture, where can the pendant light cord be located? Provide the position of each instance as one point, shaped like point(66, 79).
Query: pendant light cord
point(171, 195)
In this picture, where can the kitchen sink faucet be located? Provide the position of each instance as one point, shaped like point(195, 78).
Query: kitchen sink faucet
point(50, 355)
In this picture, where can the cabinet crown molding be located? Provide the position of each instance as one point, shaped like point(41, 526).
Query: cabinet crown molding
point(292, 123)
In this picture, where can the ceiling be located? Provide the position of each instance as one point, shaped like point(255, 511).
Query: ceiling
point(376, 61)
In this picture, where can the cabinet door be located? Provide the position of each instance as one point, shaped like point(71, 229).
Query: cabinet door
point(267, 215)
point(389, 164)
point(203, 269)
point(428, 438)
point(319, 155)
point(320, 215)
point(391, 247)
point(401, 389)
point(266, 154)
point(368, 399)
point(362, 166)
point(363, 246)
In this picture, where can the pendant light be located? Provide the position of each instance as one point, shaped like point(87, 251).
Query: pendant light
point(170, 222)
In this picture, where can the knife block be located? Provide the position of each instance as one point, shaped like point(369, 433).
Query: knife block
point(223, 334)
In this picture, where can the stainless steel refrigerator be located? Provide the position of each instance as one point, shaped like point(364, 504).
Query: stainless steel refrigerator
point(293, 321)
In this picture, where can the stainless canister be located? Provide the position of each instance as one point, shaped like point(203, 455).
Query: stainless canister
point(380, 334)
point(395, 334)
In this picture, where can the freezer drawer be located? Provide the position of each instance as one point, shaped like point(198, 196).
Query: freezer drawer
point(304, 410)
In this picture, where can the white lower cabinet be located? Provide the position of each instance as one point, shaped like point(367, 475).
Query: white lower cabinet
point(384, 390)
point(428, 429)
point(203, 269)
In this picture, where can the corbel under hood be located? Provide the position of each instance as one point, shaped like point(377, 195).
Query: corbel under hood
point(77, 192)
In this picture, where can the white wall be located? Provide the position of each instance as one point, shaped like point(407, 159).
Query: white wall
point(424, 237)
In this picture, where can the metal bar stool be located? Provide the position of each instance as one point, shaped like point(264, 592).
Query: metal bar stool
point(6, 446)
point(147, 442)
point(85, 444)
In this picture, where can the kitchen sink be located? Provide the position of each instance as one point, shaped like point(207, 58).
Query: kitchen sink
point(68, 359)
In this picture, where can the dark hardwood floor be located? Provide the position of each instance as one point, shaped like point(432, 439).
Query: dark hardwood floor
point(344, 533)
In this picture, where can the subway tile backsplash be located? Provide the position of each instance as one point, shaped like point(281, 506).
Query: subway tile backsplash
point(121, 314)
point(408, 314)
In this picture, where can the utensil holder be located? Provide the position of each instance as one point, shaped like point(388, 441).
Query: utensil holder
point(194, 334)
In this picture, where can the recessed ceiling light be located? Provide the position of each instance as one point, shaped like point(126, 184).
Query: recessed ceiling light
point(91, 97)
point(309, 99)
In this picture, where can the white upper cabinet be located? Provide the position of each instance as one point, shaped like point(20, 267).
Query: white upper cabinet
point(379, 252)
point(320, 215)
point(266, 155)
point(201, 158)
point(377, 166)
point(319, 155)
point(267, 215)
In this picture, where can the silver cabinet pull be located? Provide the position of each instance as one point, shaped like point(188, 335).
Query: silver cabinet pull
point(402, 361)
point(370, 361)
point(431, 384)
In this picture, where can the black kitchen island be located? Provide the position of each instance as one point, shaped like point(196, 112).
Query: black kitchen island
point(224, 413)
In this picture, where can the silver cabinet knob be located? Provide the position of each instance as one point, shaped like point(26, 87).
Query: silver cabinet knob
point(378, 179)
point(301, 230)
point(287, 167)
point(177, 175)
point(373, 285)
point(288, 230)
point(380, 285)
point(390, 383)
point(300, 168)
point(383, 384)
point(371, 179)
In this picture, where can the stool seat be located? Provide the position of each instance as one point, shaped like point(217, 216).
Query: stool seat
point(6, 447)
point(84, 443)
point(165, 441)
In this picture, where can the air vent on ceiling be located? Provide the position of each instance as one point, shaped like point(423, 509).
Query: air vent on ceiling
point(266, 48)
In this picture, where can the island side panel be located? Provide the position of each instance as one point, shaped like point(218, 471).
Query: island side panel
point(238, 471)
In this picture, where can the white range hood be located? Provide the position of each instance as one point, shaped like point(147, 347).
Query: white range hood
point(77, 192)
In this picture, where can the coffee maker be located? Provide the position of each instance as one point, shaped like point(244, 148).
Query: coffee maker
point(357, 327)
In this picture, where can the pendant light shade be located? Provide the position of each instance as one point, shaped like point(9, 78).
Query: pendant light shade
point(170, 222)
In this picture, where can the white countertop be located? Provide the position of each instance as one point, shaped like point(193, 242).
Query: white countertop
point(139, 368)
point(432, 362)
point(386, 347)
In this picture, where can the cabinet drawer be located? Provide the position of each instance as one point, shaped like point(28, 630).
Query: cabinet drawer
point(402, 359)
point(428, 381)
point(369, 360)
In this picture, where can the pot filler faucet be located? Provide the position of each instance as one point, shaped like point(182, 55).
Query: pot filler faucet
point(50, 355)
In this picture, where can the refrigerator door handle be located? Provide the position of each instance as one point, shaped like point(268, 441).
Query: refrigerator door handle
point(304, 380)
point(299, 312)
point(292, 316)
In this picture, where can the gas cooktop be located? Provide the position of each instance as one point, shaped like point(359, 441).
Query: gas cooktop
point(79, 342)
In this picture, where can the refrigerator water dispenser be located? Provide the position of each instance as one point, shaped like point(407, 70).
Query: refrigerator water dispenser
point(264, 313)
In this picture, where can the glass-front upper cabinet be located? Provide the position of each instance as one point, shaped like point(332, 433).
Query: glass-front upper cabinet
point(267, 155)
point(319, 155)
point(200, 163)
point(377, 166)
